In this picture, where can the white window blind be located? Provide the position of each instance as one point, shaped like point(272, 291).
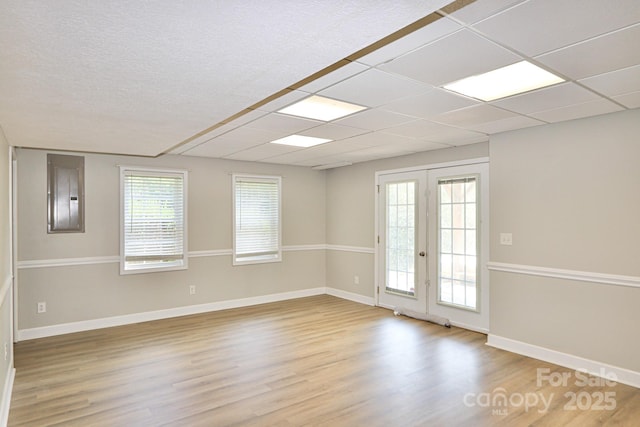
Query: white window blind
point(153, 220)
point(256, 219)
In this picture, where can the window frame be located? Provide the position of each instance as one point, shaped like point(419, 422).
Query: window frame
point(184, 265)
point(257, 259)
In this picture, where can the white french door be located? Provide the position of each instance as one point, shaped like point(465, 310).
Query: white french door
point(459, 247)
point(432, 246)
point(402, 218)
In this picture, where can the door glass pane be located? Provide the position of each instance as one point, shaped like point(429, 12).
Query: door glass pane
point(457, 282)
point(401, 233)
point(445, 216)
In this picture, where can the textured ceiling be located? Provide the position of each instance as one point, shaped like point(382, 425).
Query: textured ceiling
point(154, 77)
point(138, 77)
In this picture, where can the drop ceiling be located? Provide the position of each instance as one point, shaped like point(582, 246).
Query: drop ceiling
point(208, 78)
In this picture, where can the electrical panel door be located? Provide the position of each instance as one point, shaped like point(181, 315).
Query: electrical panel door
point(65, 179)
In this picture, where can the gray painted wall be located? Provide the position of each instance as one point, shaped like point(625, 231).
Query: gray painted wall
point(351, 212)
point(569, 194)
point(93, 291)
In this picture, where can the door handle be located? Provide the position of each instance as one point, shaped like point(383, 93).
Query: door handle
point(422, 253)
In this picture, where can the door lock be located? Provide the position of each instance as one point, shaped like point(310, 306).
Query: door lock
point(422, 253)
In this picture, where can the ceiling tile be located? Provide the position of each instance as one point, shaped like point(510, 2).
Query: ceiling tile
point(313, 153)
point(283, 101)
point(458, 55)
point(246, 134)
point(373, 88)
point(375, 119)
point(479, 10)
point(534, 28)
point(333, 148)
point(262, 152)
point(333, 131)
point(374, 153)
point(233, 141)
point(511, 123)
point(429, 104)
point(221, 130)
point(244, 119)
point(546, 99)
point(616, 82)
point(377, 139)
point(289, 158)
point(321, 161)
point(418, 145)
point(435, 132)
point(203, 138)
point(334, 77)
point(412, 41)
point(592, 108)
point(354, 156)
point(219, 147)
point(282, 124)
point(629, 100)
point(597, 56)
point(357, 156)
point(466, 140)
point(475, 115)
point(384, 150)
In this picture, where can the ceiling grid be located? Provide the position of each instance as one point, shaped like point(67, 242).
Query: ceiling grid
point(210, 79)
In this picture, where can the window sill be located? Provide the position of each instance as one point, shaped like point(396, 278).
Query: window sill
point(152, 268)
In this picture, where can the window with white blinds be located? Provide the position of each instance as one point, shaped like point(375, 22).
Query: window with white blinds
point(256, 219)
point(153, 220)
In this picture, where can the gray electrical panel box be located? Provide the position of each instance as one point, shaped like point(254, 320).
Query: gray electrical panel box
point(65, 188)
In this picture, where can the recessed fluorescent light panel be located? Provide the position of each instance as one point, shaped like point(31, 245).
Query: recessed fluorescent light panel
point(321, 108)
point(506, 81)
point(301, 141)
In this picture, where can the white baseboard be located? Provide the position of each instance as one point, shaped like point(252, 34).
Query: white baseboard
point(350, 296)
point(6, 396)
point(87, 325)
point(624, 376)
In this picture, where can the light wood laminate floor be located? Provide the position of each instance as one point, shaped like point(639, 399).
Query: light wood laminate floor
point(318, 361)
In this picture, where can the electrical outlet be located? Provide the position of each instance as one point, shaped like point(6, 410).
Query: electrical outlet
point(42, 307)
point(356, 280)
point(506, 239)
point(192, 289)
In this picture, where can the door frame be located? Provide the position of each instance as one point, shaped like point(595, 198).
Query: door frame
point(377, 279)
point(13, 250)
